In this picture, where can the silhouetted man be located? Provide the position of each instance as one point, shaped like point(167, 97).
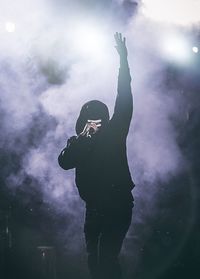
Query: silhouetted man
point(98, 153)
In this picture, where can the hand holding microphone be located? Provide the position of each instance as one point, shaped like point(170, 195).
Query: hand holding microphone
point(91, 127)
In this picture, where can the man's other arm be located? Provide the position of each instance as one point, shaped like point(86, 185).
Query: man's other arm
point(73, 153)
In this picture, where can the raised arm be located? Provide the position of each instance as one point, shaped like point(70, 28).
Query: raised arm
point(124, 102)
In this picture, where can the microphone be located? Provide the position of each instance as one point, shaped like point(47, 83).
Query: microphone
point(94, 126)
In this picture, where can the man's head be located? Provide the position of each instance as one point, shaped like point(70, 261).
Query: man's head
point(92, 110)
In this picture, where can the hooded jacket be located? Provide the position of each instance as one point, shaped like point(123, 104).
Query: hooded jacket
point(102, 173)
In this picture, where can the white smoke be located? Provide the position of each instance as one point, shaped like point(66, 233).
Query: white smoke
point(44, 70)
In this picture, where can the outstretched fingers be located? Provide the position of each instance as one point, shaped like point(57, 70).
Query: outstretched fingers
point(119, 39)
point(120, 44)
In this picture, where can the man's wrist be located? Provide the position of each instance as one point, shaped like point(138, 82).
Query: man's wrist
point(123, 61)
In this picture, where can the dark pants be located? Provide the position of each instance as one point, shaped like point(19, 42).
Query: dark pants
point(104, 234)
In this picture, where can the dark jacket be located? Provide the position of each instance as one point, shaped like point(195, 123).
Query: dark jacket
point(102, 172)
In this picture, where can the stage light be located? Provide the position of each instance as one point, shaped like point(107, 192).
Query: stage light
point(177, 48)
point(195, 49)
point(10, 26)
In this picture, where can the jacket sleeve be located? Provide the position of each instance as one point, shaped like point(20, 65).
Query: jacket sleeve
point(123, 109)
point(72, 154)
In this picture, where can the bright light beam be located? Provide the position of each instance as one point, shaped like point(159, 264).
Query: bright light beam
point(10, 27)
point(89, 40)
point(176, 48)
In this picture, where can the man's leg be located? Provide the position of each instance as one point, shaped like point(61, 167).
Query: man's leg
point(92, 230)
point(114, 229)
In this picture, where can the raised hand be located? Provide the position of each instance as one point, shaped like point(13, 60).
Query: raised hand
point(121, 45)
